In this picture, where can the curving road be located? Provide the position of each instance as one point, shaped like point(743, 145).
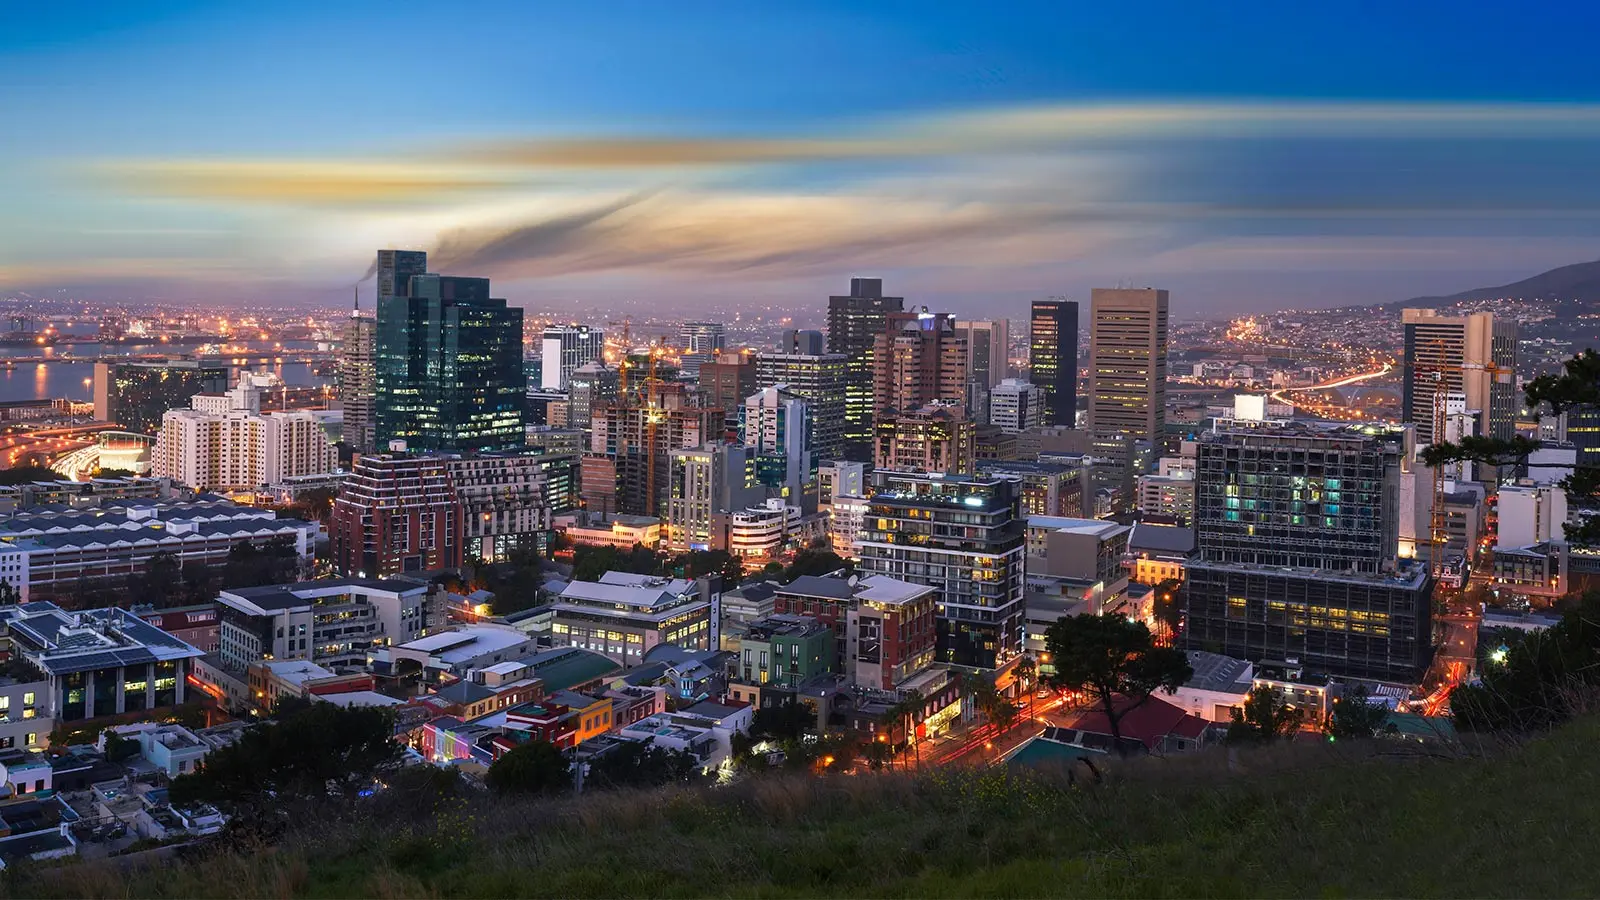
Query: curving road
point(1281, 394)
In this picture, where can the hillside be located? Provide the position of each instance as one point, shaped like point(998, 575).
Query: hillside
point(1317, 819)
point(1580, 282)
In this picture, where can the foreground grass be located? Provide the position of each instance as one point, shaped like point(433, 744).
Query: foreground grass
point(1344, 820)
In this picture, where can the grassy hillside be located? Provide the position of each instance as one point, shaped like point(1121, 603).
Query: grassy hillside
point(1340, 820)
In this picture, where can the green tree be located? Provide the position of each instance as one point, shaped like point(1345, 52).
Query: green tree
point(25, 474)
point(161, 583)
point(316, 749)
point(9, 594)
point(816, 561)
point(1265, 718)
point(1575, 389)
point(1354, 717)
point(1108, 657)
point(1543, 678)
point(1168, 602)
point(590, 562)
point(906, 713)
point(642, 764)
point(995, 708)
point(536, 767)
point(119, 748)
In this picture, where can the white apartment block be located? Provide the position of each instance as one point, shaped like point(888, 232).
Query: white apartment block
point(240, 450)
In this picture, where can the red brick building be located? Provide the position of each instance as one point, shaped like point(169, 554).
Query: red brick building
point(885, 629)
point(396, 513)
point(196, 625)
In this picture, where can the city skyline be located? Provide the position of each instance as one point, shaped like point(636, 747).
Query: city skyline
point(966, 162)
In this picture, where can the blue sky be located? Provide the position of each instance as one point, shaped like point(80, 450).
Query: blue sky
point(1244, 155)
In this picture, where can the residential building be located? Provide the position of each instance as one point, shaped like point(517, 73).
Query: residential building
point(932, 438)
point(565, 349)
point(884, 629)
point(397, 513)
point(1156, 724)
point(854, 323)
point(726, 381)
point(135, 395)
point(1128, 362)
point(708, 739)
point(1298, 531)
point(1219, 686)
point(239, 450)
point(743, 606)
point(777, 427)
point(1475, 357)
point(1053, 359)
point(624, 616)
point(918, 359)
point(449, 365)
point(1047, 488)
point(1016, 405)
point(170, 748)
point(964, 536)
point(333, 622)
point(820, 379)
point(358, 382)
point(509, 501)
point(843, 492)
point(785, 650)
point(772, 529)
point(99, 662)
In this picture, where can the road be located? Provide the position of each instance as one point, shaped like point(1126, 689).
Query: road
point(983, 744)
point(1281, 394)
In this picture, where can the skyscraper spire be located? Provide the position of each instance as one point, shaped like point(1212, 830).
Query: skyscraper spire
point(357, 289)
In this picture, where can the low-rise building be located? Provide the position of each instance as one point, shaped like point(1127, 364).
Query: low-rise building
point(1219, 686)
point(1158, 553)
point(96, 663)
point(332, 621)
point(624, 616)
point(25, 720)
point(455, 651)
point(170, 748)
point(884, 629)
point(785, 650)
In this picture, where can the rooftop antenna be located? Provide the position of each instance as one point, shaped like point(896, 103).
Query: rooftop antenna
point(357, 290)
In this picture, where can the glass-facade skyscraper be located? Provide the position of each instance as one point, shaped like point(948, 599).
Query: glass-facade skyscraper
point(449, 361)
point(1053, 359)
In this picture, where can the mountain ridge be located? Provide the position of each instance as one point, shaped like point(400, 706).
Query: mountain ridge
point(1577, 281)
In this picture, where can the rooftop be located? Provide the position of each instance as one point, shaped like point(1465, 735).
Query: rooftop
point(278, 597)
point(1070, 525)
point(296, 671)
point(890, 591)
point(567, 667)
point(60, 642)
point(1161, 539)
point(1215, 672)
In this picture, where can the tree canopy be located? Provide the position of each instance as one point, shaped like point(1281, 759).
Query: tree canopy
point(303, 753)
point(1266, 717)
point(642, 764)
point(1108, 656)
point(1354, 717)
point(590, 562)
point(535, 767)
point(1542, 680)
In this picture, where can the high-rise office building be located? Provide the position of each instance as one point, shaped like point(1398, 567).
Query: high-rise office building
point(918, 359)
point(449, 366)
point(777, 427)
point(1128, 362)
point(988, 349)
point(820, 380)
point(564, 349)
point(590, 385)
point(509, 500)
point(1016, 405)
point(1475, 356)
point(707, 483)
point(135, 395)
point(965, 536)
point(854, 323)
point(1053, 359)
point(358, 382)
point(803, 341)
point(703, 337)
point(394, 269)
point(1297, 530)
point(726, 381)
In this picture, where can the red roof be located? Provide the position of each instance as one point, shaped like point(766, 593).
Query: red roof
point(1148, 722)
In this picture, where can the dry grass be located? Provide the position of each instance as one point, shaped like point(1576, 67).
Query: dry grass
point(1346, 819)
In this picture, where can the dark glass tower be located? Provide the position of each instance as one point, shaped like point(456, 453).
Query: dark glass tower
point(854, 323)
point(449, 361)
point(1053, 359)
